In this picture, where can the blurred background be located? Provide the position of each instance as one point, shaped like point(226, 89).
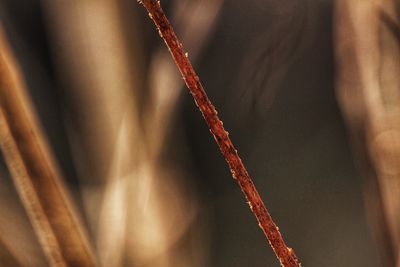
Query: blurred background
point(308, 90)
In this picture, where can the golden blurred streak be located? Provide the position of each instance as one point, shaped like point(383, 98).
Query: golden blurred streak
point(110, 146)
point(138, 208)
point(104, 128)
point(34, 173)
point(368, 89)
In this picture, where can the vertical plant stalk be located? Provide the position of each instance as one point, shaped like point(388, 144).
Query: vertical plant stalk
point(285, 254)
point(34, 172)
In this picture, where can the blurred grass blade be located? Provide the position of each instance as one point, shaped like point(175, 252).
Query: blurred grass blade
point(368, 63)
point(34, 173)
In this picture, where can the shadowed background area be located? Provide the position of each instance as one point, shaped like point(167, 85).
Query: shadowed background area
point(140, 166)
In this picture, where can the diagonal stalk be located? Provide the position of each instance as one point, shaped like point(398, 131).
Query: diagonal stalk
point(285, 254)
point(34, 173)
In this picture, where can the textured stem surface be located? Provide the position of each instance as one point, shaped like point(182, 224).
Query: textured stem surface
point(285, 254)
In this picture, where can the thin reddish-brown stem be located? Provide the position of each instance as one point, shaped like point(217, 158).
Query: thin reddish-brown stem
point(285, 254)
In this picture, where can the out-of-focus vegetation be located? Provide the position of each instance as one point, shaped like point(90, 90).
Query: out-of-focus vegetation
point(308, 90)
